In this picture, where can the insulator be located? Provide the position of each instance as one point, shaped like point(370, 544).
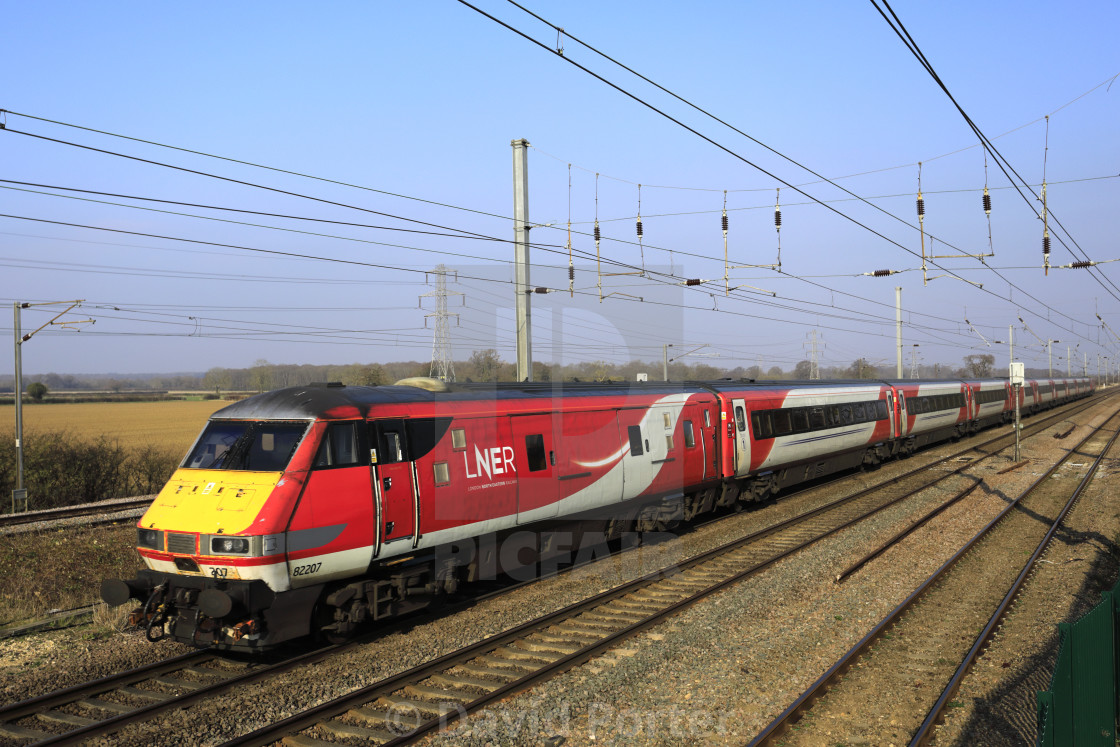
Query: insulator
point(596, 231)
point(692, 281)
point(639, 226)
point(881, 273)
point(921, 206)
point(777, 218)
point(987, 202)
point(1046, 244)
point(541, 290)
point(1081, 265)
point(571, 273)
point(725, 222)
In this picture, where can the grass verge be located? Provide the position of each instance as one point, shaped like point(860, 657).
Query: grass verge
point(62, 568)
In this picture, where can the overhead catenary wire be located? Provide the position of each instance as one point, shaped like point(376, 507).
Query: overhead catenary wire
point(732, 153)
point(494, 239)
point(900, 30)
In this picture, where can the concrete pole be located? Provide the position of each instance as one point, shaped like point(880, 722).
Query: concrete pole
point(665, 360)
point(19, 403)
point(1050, 356)
point(1010, 346)
point(898, 329)
point(1067, 360)
point(521, 259)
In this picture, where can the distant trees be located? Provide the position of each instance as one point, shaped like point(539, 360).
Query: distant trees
point(218, 379)
point(803, 370)
point(260, 375)
point(369, 375)
point(861, 369)
point(485, 365)
point(979, 366)
point(37, 390)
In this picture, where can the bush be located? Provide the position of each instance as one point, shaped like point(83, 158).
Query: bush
point(37, 390)
point(61, 470)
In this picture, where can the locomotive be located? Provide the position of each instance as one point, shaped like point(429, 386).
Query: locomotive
point(313, 510)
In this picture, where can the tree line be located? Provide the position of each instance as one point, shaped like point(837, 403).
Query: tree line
point(488, 366)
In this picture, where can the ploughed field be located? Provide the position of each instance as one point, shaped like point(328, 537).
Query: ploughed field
point(173, 424)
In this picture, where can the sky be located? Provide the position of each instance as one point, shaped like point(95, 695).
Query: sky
point(316, 162)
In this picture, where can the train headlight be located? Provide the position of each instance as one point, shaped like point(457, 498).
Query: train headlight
point(229, 545)
point(150, 538)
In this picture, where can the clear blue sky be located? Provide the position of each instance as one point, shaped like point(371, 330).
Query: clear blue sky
point(422, 100)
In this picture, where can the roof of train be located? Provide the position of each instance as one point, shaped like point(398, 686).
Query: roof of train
point(316, 400)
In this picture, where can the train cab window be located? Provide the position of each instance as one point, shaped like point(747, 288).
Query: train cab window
point(339, 447)
point(260, 446)
point(534, 452)
point(668, 442)
point(740, 418)
point(689, 436)
point(391, 445)
point(635, 433)
point(668, 420)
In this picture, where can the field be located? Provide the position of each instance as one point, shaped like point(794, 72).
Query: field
point(171, 425)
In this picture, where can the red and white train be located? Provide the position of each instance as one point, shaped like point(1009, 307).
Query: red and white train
point(311, 510)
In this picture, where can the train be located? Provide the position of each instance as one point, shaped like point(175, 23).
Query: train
point(317, 510)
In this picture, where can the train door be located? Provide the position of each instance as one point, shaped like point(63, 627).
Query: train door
point(534, 458)
point(393, 480)
point(336, 510)
point(742, 439)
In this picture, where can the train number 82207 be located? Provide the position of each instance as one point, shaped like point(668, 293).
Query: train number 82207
point(306, 570)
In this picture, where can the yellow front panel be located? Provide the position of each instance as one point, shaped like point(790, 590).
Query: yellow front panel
point(210, 500)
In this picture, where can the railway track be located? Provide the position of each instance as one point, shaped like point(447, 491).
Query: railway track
point(98, 513)
point(471, 678)
point(896, 683)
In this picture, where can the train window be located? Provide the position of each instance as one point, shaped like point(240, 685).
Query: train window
point(760, 419)
point(740, 418)
point(817, 419)
point(884, 412)
point(783, 426)
point(845, 414)
point(458, 439)
point(857, 413)
point(689, 436)
point(707, 419)
point(668, 419)
point(242, 445)
point(441, 473)
point(668, 442)
point(534, 452)
point(800, 419)
point(391, 450)
point(388, 442)
point(834, 415)
point(339, 447)
point(635, 433)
